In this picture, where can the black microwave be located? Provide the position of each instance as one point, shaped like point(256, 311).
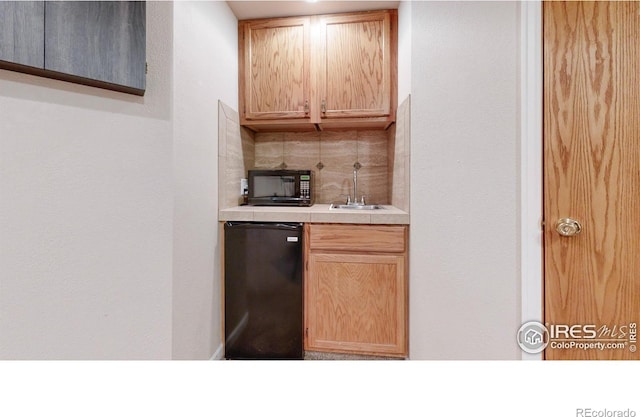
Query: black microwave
point(282, 187)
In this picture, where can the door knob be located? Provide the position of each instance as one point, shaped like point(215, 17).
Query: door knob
point(568, 227)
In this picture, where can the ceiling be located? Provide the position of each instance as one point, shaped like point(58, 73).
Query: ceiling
point(262, 9)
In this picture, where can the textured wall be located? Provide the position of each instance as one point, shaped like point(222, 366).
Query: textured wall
point(464, 288)
point(86, 214)
point(404, 49)
point(206, 70)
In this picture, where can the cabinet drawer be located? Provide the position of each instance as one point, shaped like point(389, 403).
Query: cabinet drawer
point(368, 238)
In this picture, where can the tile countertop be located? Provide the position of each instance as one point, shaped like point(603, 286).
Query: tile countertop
point(318, 213)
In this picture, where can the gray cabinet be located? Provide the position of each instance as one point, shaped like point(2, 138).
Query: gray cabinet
point(22, 32)
point(97, 40)
point(97, 43)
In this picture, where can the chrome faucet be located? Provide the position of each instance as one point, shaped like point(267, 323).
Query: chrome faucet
point(354, 201)
point(355, 186)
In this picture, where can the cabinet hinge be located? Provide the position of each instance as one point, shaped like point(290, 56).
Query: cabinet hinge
point(306, 332)
point(146, 67)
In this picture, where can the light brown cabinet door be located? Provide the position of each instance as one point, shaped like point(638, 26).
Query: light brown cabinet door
point(275, 59)
point(356, 303)
point(355, 65)
point(592, 175)
point(327, 71)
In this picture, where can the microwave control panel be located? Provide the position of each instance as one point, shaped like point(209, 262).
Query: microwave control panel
point(305, 186)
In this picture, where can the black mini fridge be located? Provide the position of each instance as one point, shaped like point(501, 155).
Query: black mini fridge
point(263, 290)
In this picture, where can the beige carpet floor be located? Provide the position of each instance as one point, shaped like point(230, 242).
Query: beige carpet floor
point(342, 356)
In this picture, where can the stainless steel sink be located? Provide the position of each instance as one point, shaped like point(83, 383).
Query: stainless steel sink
point(354, 204)
point(335, 206)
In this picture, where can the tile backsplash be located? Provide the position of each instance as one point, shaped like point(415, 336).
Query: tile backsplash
point(399, 157)
point(236, 154)
point(383, 158)
point(332, 156)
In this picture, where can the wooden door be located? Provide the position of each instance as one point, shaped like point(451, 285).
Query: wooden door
point(355, 65)
point(275, 59)
point(356, 303)
point(592, 175)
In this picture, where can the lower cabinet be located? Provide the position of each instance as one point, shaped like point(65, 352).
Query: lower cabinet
point(356, 289)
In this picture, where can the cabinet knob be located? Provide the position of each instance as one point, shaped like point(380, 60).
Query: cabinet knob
point(306, 106)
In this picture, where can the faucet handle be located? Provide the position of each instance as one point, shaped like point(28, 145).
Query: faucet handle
point(362, 200)
point(348, 197)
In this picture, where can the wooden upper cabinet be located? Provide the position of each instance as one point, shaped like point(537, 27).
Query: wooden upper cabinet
point(355, 66)
point(326, 71)
point(276, 69)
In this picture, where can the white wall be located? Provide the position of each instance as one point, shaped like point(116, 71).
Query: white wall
point(86, 214)
point(464, 285)
point(205, 70)
point(404, 50)
point(108, 202)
